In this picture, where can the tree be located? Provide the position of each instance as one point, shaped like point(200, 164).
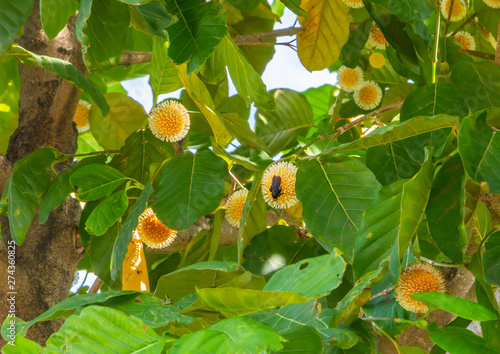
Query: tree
point(312, 231)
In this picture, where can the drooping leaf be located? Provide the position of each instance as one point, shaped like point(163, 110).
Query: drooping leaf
point(163, 76)
point(323, 33)
point(134, 269)
point(54, 15)
point(334, 196)
point(457, 340)
point(302, 277)
point(107, 213)
point(125, 117)
point(100, 255)
point(490, 259)
point(279, 129)
point(30, 178)
point(64, 70)
point(95, 181)
point(190, 186)
point(200, 28)
point(12, 17)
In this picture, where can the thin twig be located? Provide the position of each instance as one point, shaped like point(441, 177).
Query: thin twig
point(437, 264)
point(236, 180)
point(448, 21)
point(475, 53)
point(471, 17)
point(497, 55)
point(384, 333)
point(96, 286)
point(385, 292)
point(107, 152)
point(257, 38)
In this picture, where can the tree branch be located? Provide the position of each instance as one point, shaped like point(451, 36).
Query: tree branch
point(479, 54)
point(459, 28)
point(129, 58)
point(257, 38)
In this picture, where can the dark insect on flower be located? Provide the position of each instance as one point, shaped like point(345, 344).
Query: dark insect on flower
point(276, 187)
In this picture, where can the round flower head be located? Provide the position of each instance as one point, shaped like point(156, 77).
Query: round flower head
point(81, 117)
point(418, 278)
point(458, 11)
point(350, 79)
point(355, 4)
point(368, 96)
point(278, 185)
point(377, 60)
point(465, 39)
point(234, 207)
point(169, 121)
point(153, 232)
point(492, 3)
point(376, 38)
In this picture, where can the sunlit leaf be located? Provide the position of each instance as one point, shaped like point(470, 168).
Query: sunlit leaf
point(12, 17)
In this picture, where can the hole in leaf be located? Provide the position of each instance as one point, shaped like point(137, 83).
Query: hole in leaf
point(304, 265)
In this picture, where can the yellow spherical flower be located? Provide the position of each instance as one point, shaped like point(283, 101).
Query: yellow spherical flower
point(234, 207)
point(377, 60)
point(458, 11)
point(278, 185)
point(418, 278)
point(492, 3)
point(350, 79)
point(153, 232)
point(355, 4)
point(465, 40)
point(169, 121)
point(368, 96)
point(81, 117)
point(376, 38)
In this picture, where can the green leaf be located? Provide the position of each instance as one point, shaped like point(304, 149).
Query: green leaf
point(240, 302)
point(100, 327)
point(279, 129)
point(294, 6)
point(457, 306)
point(108, 20)
point(125, 117)
point(54, 14)
point(190, 186)
point(248, 83)
point(95, 181)
point(433, 99)
point(409, 11)
point(64, 70)
point(458, 340)
point(395, 132)
point(479, 146)
point(351, 51)
point(321, 99)
point(488, 16)
point(155, 17)
point(126, 232)
point(477, 83)
point(278, 247)
point(107, 213)
point(334, 196)
point(60, 187)
point(200, 29)
point(302, 277)
point(245, 5)
point(201, 275)
point(12, 17)
point(490, 258)
point(30, 178)
point(233, 335)
point(302, 339)
point(163, 77)
point(482, 219)
point(240, 129)
point(21, 345)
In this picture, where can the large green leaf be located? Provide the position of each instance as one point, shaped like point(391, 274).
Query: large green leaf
point(395, 132)
point(240, 302)
point(321, 99)
point(155, 17)
point(54, 14)
point(29, 180)
point(200, 29)
point(107, 213)
point(234, 335)
point(301, 339)
point(126, 232)
point(12, 17)
point(490, 259)
point(406, 10)
point(351, 51)
point(479, 147)
point(104, 34)
point(240, 129)
point(106, 329)
point(457, 306)
point(125, 117)
point(100, 256)
point(433, 99)
point(334, 196)
point(163, 77)
point(246, 80)
point(458, 340)
point(279, 129)
point(21, 345)
point(477, 83)
point(190, 186)
point(96, 181)
point(64, 70)
point(302, 277)
point(488, 16)
point(245, 5)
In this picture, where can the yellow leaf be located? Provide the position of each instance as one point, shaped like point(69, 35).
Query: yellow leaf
point(135, 271)
point(323, 35)
point(295, 211)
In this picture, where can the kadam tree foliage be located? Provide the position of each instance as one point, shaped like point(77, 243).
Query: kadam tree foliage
point(323, 223)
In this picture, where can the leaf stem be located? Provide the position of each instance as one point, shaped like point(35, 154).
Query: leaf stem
point(445, 265)
point(385, 292)
point(107, 152)
point(236, 180)
point(386, 335)
point(436, 41)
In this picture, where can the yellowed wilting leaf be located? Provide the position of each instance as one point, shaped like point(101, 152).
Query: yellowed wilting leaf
point(323, 35)
point(134, 269)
